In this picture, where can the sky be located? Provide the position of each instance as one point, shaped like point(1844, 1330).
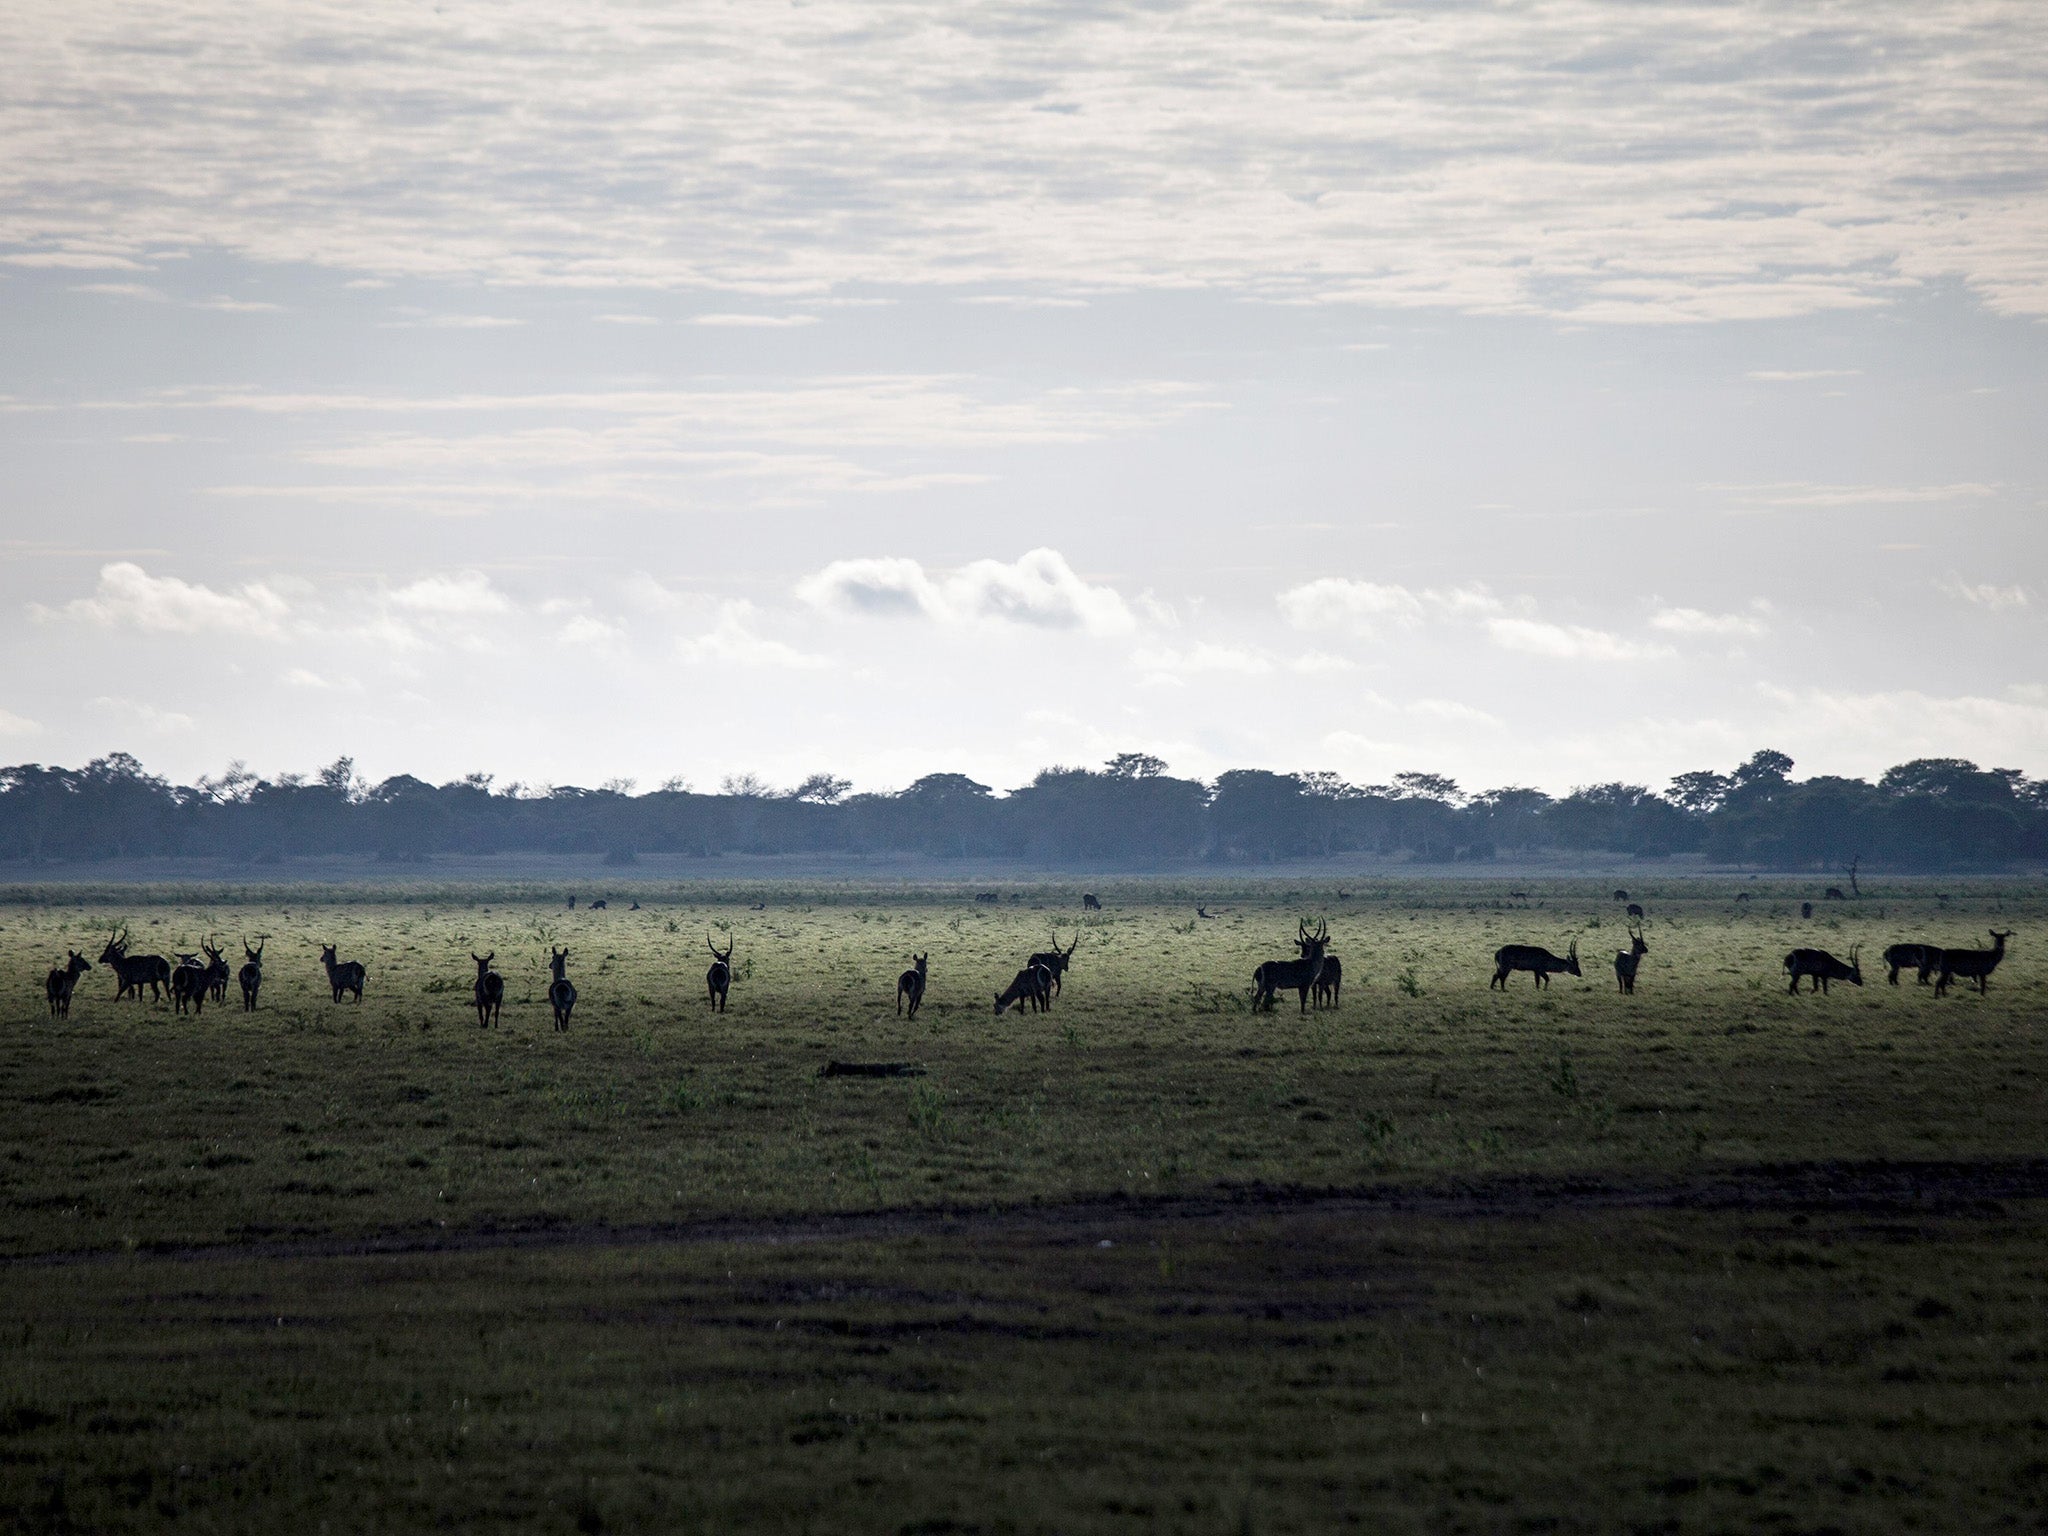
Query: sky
point(1538, 393)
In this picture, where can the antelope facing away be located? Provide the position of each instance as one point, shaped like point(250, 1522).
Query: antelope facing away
point(911, 984)
point(1823, 968)
point(1276, 976)
point(1031, 985)
point(1971, 964)
point(489, 990)
point(251, 974)
point(188, 984)
point(718, 979)
point(134, 972)
point(561, 991)
point(1626, 961)
point(1535, 959)
point(1912, 957)
point(63, 981)
point(216, 972)
point(1056, 960)
point(343, 975)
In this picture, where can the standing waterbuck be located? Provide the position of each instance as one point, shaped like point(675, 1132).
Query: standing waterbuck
point(1277, 976)
point(1923, 958)
point(188, 984)
point(718, 979)
point(1056, 960)
point(1626, 961)
point(1823, 968)
point(60, 984)
point(1535, 959)
point(134, 972)
point(489, 991)
point(561, 991)
point(343, 975)
point(251, 974)
point(911, 984)
point(217, 972)
point(1971, 964)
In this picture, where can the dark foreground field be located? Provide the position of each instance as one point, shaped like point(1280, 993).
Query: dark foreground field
point(1711, 1258)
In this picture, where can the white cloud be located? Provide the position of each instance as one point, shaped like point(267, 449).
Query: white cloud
point(122, 290)
point(755, 322)
point(1364, 608)
point(153, 718)
point(304, 677)
point(127, 594)
point(593, 632)
point(82, 261)
point(1567, 642)
point(1985, 594)
point(1038, 588)
point(461, 595)
point(1801, 493)
point(1694, 621)
point(733, 640)
point(12, 724)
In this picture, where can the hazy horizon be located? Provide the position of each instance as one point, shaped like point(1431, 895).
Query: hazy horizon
point(1537, 395)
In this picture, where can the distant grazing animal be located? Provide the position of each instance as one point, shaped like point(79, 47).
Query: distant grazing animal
point(600, 905)
point(1518, 895)
point(986, 896)
point(1912, 957)
point(1621, 895)
point(1971, 964)
point(1833, 893)
point(217, 972)
point(1626, 961)
point(1090, 902)
point(561, 991)
point(911, 985)
point(489, 990)
point(1056, 960)
point(1823, 968)
point(1329, 988)
point(1742, 896)
point(718, 979)
point(343, 975)
point(1635, 911)
point(634, 908)
point(1535, 959)
point(1031, 985)
point(1343, 895)
point(134, 972)
point(251, 975)
point(1806, 909)
point(62, 982)
point(188, 984)
point(1204, 912)
point(1277, 976)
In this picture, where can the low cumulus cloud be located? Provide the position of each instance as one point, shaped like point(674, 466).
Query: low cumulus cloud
point(1366, 610)
point(1985, 594)
point(735, 639)
point(1695, 621)
point(1039, 589)
point(128, 595)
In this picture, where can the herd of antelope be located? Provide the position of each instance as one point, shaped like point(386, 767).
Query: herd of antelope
point(1314, 975)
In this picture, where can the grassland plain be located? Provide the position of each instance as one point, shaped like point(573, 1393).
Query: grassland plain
point(375, 1266)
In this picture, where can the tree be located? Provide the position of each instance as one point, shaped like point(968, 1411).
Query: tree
point(1700, 792)
point(1135, 765)
point(745, 786)
point(821, 789)
point(339, 779)
point(1428, 786)
point(1764, 773)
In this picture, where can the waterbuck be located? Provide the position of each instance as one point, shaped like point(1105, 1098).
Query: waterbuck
point(216, 972)
point(1823, 968)
point(1329, 991)
point(1056, 960)
point(1090, 902)
point(343, 975)
point(489, 990)
point(251, 974)
point(911, 984)
point(188, 984)
point(1626, 961)
point(718, 979)
point(59, 985)
point(134, 972)
point(1971, 964)
point(1912, 957)
point(1275, 976)
point(1032, 985)
point(1535, 959)
point(561, 991)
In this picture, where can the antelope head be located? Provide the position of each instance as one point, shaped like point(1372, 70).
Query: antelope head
point(722, 959)
point(483, 962)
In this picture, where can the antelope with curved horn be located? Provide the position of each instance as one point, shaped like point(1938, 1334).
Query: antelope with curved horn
point(134, 972)
point(1823, 968)
point(1056, 960)
point(561, 991)
point(251, 974)
point(1276, 976)
point(1626, 961)
point(489, 990)
point(1535, 959)
point(188, 984)
point(718, 979)
point(216, 972)
point(911, 984)
point(62, 982)
point(1971, 964)
point(343, 975)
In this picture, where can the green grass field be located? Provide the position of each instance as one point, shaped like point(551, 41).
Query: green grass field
point(1710, 1257)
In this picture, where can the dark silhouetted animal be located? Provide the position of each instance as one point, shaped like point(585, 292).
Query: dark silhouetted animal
point(1342, 896)
point(634, 908)
point(1056, 960)
point(1742, 896)
point(1090, 902)
point(562, 991)
point(1277, 976)
point(572, 903)
point(251, 975)
point(1823, 968)
point(1912, 957)
point(1833, 893)
point(489, 991)
point(1971, 964)
point(60, 984)
point(1329, 988)
point(1635, 910)
point(188, 984)
point(1031, 985)
point(343, 975)
point(986, 896)
point(600, 905)
point(1806, 909)
point(217, 972)
point(1539, 962)
point(718, 980)
point(1205, 913)
point(1621, 895)
point(911, 985)
point(1626, 961)
point(134, 972)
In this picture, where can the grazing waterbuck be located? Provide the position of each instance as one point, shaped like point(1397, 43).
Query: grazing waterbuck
point(1823, 968)
point(134, 972)
point(1031, 985)
point(911, 984)
point(1056, 960)
point(718, 979)
point(489, 991)
point(1276, 976)
point(1626, 961)
point(1971, 964)
point(1090, 902)
point(251, 974)
point(1535, 959)
point(343, 975)
point(561, 991)
point(60, 984)
point(1922, 958)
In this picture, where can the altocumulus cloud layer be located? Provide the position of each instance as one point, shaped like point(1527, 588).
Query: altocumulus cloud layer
point(1554, 392)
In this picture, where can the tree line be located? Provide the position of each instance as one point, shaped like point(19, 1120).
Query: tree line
point(1928, 814)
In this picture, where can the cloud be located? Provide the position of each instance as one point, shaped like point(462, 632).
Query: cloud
point(127, 594)
point(1365, 608)
point(303, 677)
point(462, 595)
point(1802, 493)
point(593, 632)
point(1567, 642)
point(150, 717)
point(1693, 621)
point(1985, 594)
point(733, 640)
point(1039, 588)
point(759, 322)
point(122, 290)
point(1800, 375)
point(81, 261)
point(12, 724)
